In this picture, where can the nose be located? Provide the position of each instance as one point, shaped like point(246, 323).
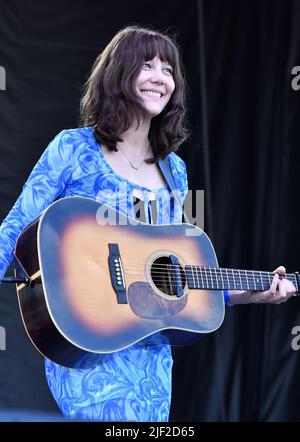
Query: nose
point(157, 76)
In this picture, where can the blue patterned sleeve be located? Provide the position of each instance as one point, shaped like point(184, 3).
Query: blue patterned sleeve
point(45, 183)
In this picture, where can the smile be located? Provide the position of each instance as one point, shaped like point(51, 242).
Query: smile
point(151, 93)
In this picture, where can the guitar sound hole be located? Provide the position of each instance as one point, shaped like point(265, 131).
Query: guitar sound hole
point(166, 276)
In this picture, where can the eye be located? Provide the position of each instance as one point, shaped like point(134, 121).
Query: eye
point(146, 64)
point(169, 69)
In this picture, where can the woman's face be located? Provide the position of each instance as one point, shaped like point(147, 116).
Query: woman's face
point(155, 84)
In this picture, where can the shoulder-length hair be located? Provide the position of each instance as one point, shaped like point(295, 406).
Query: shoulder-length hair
point(110, 102)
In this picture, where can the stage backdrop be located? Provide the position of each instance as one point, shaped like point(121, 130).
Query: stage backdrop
point(244, 152)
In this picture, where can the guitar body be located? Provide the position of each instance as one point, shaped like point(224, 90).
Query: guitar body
point(100, 282)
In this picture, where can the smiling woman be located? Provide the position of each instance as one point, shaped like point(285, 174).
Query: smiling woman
point(132, 114)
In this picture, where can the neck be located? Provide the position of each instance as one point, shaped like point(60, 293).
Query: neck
point(199, 277)
point(135, 140)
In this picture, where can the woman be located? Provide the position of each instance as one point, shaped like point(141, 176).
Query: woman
point(132, 114)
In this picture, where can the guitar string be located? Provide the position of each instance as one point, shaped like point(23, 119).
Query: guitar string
point(216, 285)
point(234, 277)
point(216, 282)
point(213, 273)
point(211, 285)
point(222, 269)
point(212, 278)
point(244, 282)
point(218, 269)
point(216, 274)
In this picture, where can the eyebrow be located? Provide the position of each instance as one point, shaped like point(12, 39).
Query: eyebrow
point(163, 61)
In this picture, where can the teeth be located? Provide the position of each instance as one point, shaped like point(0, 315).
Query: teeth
point(153, 94)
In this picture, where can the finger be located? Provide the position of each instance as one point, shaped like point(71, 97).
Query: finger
point(280, 270)
point(290, 288)
point(274, 284)
point(282, 289)
point(281, 293)
point(285, 290)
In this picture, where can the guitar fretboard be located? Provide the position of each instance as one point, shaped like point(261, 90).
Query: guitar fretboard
point(216, 278)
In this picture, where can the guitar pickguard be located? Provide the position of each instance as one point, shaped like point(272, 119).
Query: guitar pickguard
point(147, 304)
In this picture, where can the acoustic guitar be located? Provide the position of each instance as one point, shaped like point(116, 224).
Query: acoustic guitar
point(97, 282)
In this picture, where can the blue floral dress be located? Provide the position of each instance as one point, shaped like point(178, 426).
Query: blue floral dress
point(133, 384)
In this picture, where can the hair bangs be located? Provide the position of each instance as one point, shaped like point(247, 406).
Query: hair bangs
point(150, 45)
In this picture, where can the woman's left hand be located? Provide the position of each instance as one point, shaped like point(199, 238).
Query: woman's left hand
point(280, 291)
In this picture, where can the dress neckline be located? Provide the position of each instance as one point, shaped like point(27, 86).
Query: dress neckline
point(121, 178)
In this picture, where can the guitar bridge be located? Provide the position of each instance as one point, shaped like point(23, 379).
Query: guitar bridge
point(116, 273)
point(176, 282)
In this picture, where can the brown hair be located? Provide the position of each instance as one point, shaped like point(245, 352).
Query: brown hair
point(109, 100)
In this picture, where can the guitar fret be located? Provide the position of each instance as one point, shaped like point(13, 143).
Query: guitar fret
point(262, 283)
point(254, 281)
point(217, 282)
point(219, 278)
point(246, 279)
point(211, 277)
point(241, 285)
point(270, 279)
point(257, 281)
point(205, 277)
point(250, 282)
point(226, 273)
point(201, 275)
point(189, 276)
point(233, 278)
point(197, 276)
point(192, 268)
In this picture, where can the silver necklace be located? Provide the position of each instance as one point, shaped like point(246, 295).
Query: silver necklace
point(129, 160)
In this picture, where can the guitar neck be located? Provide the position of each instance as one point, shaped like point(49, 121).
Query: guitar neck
point(216, 278)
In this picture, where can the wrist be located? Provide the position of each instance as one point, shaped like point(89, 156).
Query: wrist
point(227, 298)
point(237, 297)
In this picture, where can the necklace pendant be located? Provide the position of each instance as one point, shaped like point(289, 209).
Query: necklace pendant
point(133, 166)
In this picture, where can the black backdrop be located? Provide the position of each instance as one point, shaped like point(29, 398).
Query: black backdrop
point(243, 151)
